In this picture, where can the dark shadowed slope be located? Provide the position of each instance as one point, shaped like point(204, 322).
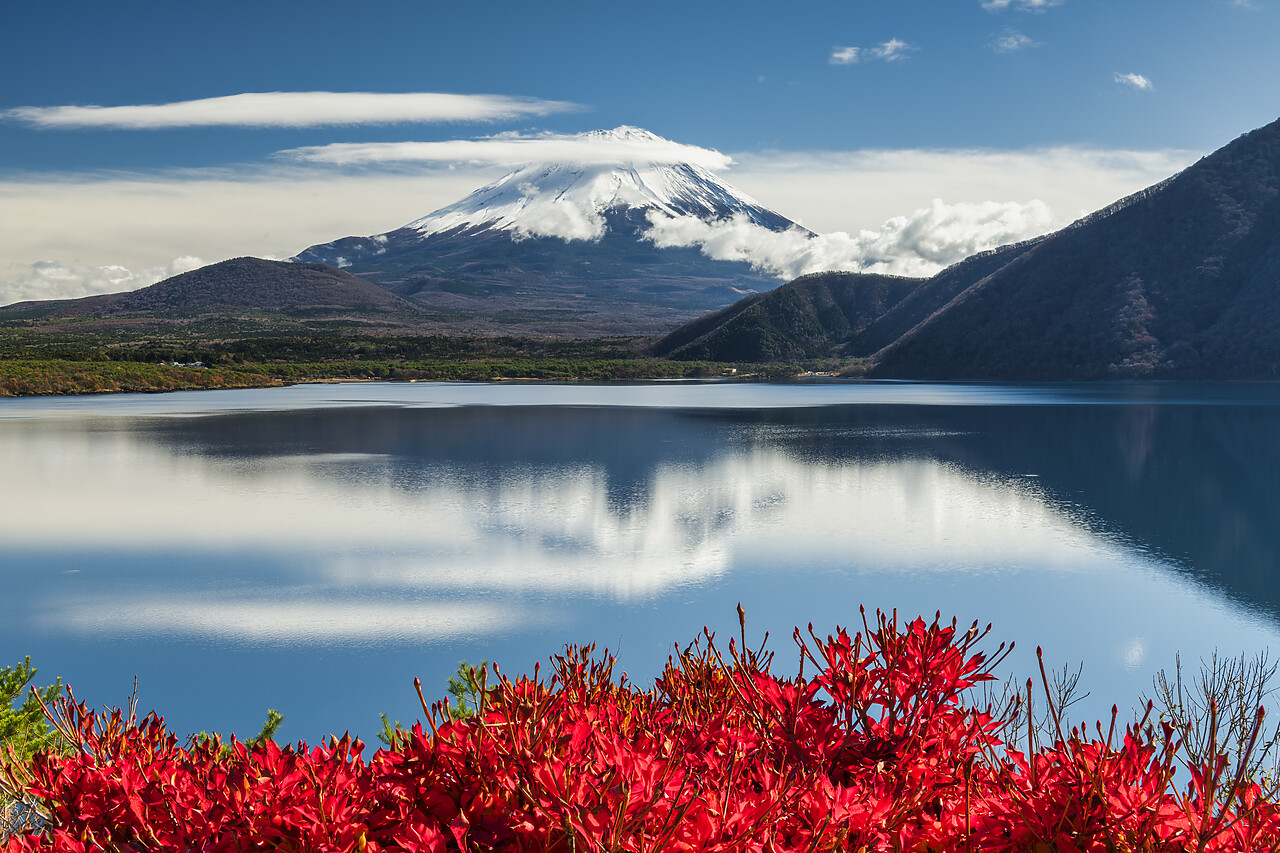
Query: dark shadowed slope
point(930, 297)
point(1180, 280)
point(809, 317)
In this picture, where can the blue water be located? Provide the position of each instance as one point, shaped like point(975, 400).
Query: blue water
point(314, 548)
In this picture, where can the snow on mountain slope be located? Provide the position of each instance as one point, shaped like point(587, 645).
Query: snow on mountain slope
point(567, 200)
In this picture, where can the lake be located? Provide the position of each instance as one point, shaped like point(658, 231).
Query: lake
point(314, 548)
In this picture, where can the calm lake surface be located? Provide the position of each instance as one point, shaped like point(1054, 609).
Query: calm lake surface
point(314, 548)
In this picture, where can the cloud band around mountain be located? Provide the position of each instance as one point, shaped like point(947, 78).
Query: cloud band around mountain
point(919, 244)
point(514, 149)
point(291, 109)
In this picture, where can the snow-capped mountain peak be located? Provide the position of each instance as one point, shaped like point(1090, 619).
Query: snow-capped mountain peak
point(627, 181)
point(635, 170)
point(627, 133)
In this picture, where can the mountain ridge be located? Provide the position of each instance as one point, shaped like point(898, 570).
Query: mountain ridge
point(243, 283)
point(1178, 280)
point(808, 317)
point(1183, 280)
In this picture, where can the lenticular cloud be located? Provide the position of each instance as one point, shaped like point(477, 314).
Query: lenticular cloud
point(624, 145)
point(291, 109)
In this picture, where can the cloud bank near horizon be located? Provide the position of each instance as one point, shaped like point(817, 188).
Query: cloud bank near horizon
point(918, 244)
point(123, 231)
point(821, 189)
point(53, 280)
point(291, 109)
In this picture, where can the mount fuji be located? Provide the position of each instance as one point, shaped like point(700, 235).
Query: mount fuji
point(568, 244)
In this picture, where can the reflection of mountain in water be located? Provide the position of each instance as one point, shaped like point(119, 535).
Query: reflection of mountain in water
point(237, 560)
point(489, 443)
point(438, 504)
point(1196, 483)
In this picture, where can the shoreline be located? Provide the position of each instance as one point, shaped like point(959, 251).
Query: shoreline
point(63, 378)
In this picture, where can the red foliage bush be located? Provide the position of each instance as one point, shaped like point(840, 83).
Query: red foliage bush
point(879, 750)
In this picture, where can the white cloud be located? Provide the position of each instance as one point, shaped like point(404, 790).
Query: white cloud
point(1135, 81)
point(844, 55)
point(1021, 5)
point(942, 234)
point(893, 50)
point(786, 254)
point(566, 220)
point(54, 280)
point(299, 618)
point(623, 145)
point(458, 539)
point(919, 244)
point(1009, 41)
point(292, 109)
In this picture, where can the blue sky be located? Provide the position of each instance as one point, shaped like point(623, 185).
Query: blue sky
point(844, 116)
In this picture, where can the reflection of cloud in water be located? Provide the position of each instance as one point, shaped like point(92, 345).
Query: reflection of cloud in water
point(271, 547)
point(1133, 653)
point(561, 533)
point(283, 620)
point(544, 526)
point(371, 540)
